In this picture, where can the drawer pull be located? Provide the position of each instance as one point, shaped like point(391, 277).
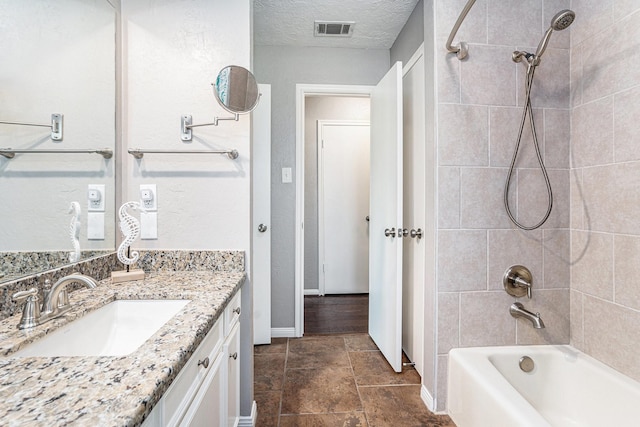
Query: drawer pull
point(234, 356)
point(237, 310)
point(204, 362)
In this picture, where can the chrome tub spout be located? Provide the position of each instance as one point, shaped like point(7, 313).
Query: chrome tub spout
point(518, 310)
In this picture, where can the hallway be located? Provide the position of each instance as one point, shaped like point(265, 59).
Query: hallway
point(335, 380)
point(331, 314)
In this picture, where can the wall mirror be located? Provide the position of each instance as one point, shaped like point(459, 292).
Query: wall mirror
point(236, 89)
point(58, 57)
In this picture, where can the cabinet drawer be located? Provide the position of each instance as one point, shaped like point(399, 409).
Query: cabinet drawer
point(179, 395)
point(232, 313)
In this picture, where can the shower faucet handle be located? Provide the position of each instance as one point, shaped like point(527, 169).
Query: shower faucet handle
point(524, 284)
point(518, 281)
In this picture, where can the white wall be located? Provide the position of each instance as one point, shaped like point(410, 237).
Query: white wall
point(172, 52)
point(283, 67)
point(57, 57)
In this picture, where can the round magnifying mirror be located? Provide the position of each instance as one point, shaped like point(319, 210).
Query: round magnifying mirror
point(236, 89)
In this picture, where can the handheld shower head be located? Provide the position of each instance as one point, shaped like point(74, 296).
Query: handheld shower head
point(562, 19)
point(559, 22)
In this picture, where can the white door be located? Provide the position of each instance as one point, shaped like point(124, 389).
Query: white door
point(385, 252)
point(261, 218)
point(414, 212)
point(343, 206)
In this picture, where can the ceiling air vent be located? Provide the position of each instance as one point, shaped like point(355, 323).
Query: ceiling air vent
point(334, 28)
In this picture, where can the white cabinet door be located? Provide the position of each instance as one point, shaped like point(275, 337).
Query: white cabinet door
point(207, 408)
point(232, 354)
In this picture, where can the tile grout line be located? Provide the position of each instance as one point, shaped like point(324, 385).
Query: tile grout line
point(284, 378)
point(366, 417)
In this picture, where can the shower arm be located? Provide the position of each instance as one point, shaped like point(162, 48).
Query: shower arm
point(462, 49)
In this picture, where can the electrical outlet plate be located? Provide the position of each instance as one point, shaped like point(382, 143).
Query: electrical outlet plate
point(149, 197)
point(95, 198)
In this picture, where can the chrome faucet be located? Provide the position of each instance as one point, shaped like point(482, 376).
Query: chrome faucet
point(518, 310)
point(55, 304)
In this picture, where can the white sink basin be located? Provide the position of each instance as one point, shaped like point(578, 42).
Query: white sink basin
point(117, 329)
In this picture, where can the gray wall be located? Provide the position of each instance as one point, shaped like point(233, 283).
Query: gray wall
point(283, 67)
point(321, 108)
point(411, 36)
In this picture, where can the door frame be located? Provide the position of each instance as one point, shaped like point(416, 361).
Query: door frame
point(302, 91)
point(321, 200)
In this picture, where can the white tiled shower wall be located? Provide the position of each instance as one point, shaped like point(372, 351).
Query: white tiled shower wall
point(479, 110)
point(586, 259)
point(605, 182)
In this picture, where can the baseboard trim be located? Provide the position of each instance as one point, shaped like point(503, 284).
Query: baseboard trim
point(312, 292)
point(427, 398)
point(283, 332)
point(249, 421)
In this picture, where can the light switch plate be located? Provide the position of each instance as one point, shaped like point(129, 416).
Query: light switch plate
point(148, 225)
point(95, 225)
point(286, 176)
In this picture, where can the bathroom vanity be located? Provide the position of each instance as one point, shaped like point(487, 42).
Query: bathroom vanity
point(186, 371)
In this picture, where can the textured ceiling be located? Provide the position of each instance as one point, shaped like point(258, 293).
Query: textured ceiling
point(290, 22)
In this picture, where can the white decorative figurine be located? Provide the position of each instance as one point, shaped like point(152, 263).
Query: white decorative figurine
point(130, 228)
point(74, 231)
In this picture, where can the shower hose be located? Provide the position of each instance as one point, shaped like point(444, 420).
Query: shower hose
point(527, 109)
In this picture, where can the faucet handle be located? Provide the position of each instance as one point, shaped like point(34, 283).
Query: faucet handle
point(523, 284)
point(22, 295)
point(31, 310)
point(518, 281)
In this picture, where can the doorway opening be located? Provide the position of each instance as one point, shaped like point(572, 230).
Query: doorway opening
point(329, 104)
point(336, 253)
point(385, 192)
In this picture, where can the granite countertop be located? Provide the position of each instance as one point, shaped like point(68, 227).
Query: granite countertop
point(109, 391)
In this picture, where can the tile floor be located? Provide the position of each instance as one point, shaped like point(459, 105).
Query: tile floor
point(335, 380)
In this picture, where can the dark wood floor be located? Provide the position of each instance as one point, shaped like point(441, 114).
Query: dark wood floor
point(336, 314)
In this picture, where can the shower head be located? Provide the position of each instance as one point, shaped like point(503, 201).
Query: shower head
point(562, 19)
point(559, 22)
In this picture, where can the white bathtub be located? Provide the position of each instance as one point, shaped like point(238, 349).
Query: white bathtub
point(487, 388)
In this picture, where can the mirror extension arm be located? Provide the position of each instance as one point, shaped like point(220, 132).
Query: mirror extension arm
point(186, 125)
